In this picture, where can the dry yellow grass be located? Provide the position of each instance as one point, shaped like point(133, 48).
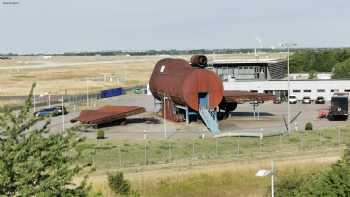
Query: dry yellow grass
point(68, 74)
point(230, 179)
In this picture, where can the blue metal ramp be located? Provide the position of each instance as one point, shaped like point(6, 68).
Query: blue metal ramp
point(210, 119)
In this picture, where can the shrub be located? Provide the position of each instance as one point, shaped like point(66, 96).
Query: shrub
point(290, 185)
point(100, 135)
point(34, 161)
point(118, 184)
point(308, 126)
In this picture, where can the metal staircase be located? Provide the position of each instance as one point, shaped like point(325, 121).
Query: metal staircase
point(210, 119)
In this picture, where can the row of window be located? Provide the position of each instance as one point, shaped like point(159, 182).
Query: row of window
point(319, 90)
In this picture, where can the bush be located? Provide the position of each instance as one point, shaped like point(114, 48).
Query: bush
point(100, 135)
point(308, 126)
point(33, 160)
point(118, 184)
point(290, 185)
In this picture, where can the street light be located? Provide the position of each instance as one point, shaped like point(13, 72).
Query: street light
point(87, 92)
point(288, 46)
point(264, 173)
point(164, 115)
point(62, 111)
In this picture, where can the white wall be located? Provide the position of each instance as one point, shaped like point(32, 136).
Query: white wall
point(302, 85)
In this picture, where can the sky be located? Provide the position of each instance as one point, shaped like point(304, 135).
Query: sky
point(55, 26)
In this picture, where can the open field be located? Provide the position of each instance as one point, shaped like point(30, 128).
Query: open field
point(211, 167)
point(72, 74)
point(114, 153)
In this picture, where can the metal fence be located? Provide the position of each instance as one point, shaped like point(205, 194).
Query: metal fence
point(125, 154)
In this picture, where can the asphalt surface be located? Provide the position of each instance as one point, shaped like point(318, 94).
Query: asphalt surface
point(149, 125)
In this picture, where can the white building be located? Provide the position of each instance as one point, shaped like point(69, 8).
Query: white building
point(304, 76)
point(298, 88)
point(269, 76)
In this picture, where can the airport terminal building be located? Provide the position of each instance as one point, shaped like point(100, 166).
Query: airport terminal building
point(267, 76)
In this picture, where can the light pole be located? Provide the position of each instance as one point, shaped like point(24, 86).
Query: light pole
point(34, 101)
point(62, 111)
point(263, 173)
point(164, 114)
point(49, 100)
point(288, 46)
point(87, 92)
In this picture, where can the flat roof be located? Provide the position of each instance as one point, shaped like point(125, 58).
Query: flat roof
point(247, 61)
point(249, 80)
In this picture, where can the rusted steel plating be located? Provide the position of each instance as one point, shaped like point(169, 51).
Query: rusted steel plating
point(177, 80)
point(107, 114)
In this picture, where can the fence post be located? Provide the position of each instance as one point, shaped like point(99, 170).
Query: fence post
point(216, 148)
point(120, 156)
point(170, 157)
point(261, 142)
point(193, 151)
point(145, 151)
point(238, 148)
point(280, 141)
point(338, 136)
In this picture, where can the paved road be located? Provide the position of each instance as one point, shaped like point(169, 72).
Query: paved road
point(66, 64)
point(241, 121)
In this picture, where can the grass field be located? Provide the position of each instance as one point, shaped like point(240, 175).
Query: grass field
point(73, 74)
point(222, 179)
point(210, 167)
point(109, 154)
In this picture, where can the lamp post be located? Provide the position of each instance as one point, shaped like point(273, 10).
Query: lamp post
point(164, 114)
point(62, 111)
point(34, 102)
point(87, 92)
point(264, 173)
point(288, 46)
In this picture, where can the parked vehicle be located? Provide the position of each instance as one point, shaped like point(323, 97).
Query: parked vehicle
point(51, 111)
point(320, 100)
point(293, 99)
point(140, 91)
point(306, 100)
point(339, 107)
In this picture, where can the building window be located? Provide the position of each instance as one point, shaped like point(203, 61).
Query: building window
point(307, 91)
point(334, 90)
point(347, 90)
point(296, 91)
point(321, 90)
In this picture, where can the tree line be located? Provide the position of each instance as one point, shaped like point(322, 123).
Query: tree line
point(322, 60)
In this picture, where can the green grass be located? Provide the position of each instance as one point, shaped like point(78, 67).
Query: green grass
point(114, 154)
point(225, 183)
point(221, 183)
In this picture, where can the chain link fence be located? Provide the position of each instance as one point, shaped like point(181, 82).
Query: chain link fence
point(125, 154)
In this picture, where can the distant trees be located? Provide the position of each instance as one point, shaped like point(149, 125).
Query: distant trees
point(34, 162)
point(342, 70)
point(317, 60)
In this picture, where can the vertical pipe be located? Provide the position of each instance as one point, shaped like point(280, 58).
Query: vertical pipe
point(34, 101)
point(62, 113)
point(87, 93)
point(49, 100)
point(187, 116)
point(288, 123)
point(164, 112)
point(272, 179)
